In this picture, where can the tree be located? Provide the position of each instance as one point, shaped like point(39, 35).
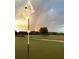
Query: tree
point(43, 30)
point(15, 32)
point(34, 33)
point(61, 33)
point(54, 33)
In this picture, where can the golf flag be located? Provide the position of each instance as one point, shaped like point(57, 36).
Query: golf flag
point(29, 8)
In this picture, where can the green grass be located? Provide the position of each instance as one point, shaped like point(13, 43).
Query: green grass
point(39, 49)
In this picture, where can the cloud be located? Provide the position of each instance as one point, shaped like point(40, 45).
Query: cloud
point(48, 13)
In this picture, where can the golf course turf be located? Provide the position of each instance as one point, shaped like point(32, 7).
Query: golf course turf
point(40, 49)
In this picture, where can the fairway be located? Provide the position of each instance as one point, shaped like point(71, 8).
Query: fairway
point(39, 48)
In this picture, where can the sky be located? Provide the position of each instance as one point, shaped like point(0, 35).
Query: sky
point(47, 13)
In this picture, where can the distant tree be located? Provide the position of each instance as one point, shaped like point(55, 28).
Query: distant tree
point(54, 33)
point(16, 33)
point(22, 33)
point(61, 33)
point(43, 30)
point(34, 33)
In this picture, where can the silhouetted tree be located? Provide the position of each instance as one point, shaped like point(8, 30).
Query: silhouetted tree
point(34, 33)
point(43, 30)
point(61, 33)
point(54, 33)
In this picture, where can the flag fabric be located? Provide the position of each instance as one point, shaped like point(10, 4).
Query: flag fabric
point(25, 11)
point(29, 9)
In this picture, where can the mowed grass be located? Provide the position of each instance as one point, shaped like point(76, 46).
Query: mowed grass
point(39, 49)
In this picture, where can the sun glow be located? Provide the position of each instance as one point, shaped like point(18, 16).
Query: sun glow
point(23, 14)
point(22, 24)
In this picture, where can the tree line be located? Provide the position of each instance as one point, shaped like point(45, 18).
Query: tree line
point(42, 31)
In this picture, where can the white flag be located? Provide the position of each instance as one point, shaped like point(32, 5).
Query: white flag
point(29, 9)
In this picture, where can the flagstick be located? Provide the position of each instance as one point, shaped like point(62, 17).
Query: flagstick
point(28, 41)
point(28, 31)
point(28, 7)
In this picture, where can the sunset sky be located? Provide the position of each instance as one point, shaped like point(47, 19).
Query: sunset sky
point(48, 13)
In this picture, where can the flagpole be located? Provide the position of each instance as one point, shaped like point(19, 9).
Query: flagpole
point(28, 41)
point(28, 31)
point(29, 10)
